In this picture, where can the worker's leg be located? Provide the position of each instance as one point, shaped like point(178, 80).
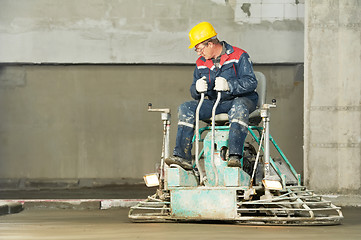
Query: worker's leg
point(239, 118)
point(186, 125)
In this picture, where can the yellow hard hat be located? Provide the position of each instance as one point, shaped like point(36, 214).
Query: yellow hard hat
point(200, 33)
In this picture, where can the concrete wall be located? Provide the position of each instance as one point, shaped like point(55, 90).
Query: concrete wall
point(91, 122)
point(333, 96)
point(145, 31)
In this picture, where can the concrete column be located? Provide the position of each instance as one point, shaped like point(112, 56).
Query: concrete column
point(332, 96)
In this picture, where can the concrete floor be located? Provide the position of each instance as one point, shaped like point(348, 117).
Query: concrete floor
point(135, 191)
point(114, 224)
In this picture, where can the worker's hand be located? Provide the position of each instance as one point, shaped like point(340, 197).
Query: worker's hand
point(221, 84)
point(201, 85)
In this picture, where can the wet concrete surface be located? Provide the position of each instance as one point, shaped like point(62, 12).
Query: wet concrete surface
point(138, 191)
point(43, 221)
point(114, 224)
point(103, 197)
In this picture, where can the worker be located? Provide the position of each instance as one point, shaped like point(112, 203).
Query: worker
point(220, 67)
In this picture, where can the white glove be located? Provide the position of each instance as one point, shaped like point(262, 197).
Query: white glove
point(201, 85)
point(221, 84)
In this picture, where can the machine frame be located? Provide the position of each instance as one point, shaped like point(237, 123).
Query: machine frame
point(213, 191)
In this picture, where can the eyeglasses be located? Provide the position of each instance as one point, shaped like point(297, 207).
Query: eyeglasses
point(199, 50)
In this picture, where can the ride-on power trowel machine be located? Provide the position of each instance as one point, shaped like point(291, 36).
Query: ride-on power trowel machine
point(266, 190)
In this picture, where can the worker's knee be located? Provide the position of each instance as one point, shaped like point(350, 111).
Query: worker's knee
point(186, 112)
point(240, 109)
point(239, 112)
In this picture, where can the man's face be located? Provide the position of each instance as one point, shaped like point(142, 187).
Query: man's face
point(203, 50)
